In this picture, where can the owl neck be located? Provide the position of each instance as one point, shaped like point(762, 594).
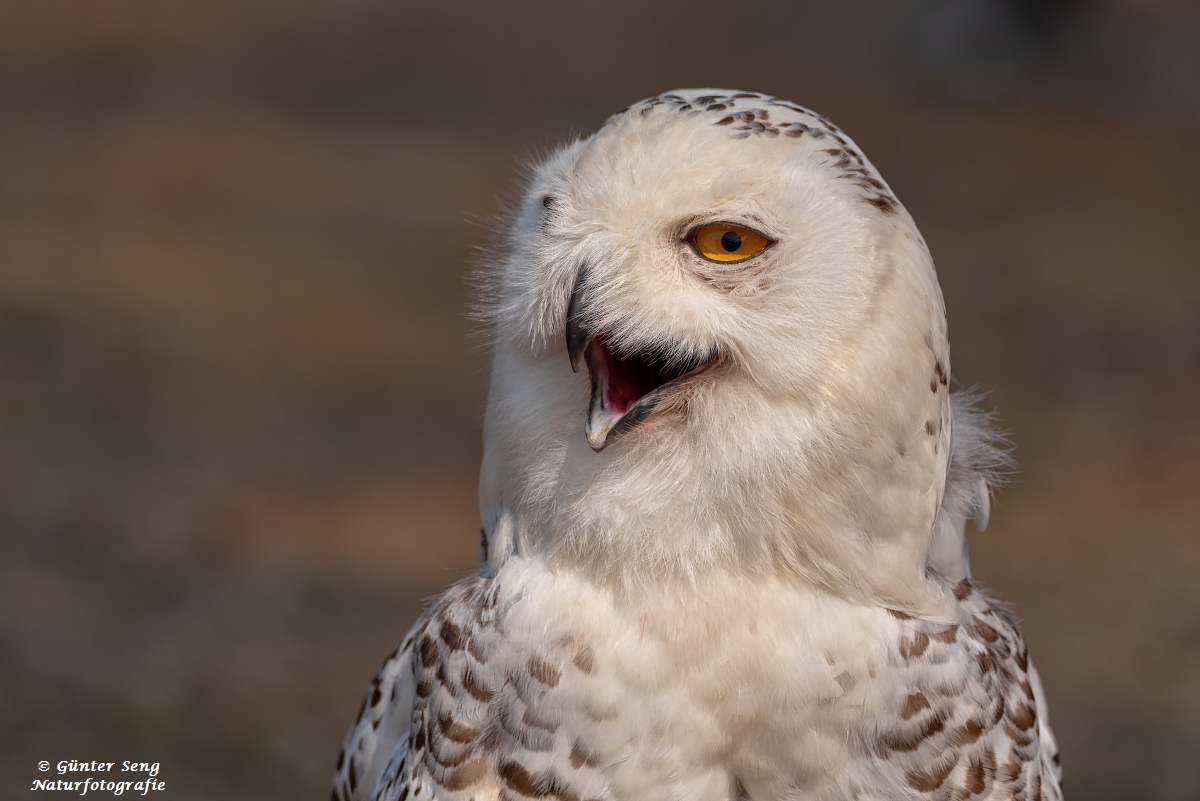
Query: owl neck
point(847, 514)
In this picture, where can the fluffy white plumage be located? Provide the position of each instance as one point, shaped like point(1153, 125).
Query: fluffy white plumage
point(724, 557)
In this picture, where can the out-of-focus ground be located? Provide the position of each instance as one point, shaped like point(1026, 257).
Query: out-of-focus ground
point(240, 409)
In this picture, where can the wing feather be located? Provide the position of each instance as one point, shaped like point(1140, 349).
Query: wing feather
point(381, 730)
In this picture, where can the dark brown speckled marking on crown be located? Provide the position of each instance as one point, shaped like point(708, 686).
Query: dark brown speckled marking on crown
point(748, 114)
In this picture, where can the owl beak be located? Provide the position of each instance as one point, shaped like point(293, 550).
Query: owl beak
point(627, 388)
point(599, 422)
point(577, 333)
point(607, 421)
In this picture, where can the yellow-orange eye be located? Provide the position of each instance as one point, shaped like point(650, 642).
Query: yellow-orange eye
point(725, 242)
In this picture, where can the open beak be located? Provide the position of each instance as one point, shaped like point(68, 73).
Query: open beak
point(628, 388)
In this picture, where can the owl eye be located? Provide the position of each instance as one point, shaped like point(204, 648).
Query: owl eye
point(725, 242)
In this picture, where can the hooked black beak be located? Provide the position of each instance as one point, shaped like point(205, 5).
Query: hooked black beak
point(577, 333)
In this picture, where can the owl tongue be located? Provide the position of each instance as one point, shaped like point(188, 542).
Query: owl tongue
point(627, 388)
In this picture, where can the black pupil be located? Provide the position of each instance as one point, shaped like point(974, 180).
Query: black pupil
point(731, 241)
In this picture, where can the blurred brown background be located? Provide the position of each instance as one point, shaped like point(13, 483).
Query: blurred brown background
point(240, 408)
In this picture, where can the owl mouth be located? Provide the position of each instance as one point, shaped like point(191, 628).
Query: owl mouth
point(628, 387)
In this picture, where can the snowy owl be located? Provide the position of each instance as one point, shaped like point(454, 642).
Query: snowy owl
point(724, 494)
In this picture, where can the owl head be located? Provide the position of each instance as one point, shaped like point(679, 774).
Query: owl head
point(720, 345)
